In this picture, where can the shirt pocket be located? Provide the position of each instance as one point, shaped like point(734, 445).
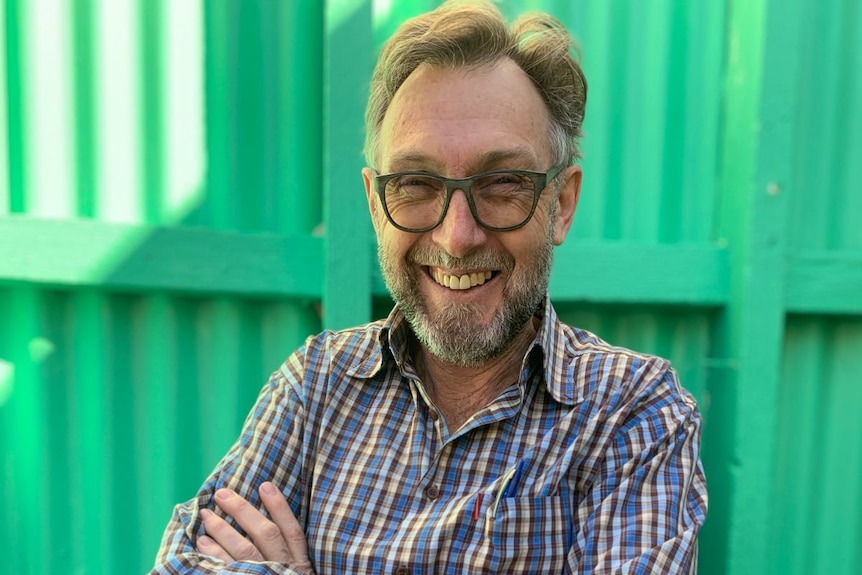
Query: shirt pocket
point(525, 535)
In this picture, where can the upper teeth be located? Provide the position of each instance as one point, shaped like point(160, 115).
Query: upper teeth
point(465, 281)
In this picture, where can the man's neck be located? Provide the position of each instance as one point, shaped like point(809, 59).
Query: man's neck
point(459, 392)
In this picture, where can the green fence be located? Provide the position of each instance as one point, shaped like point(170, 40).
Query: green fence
point(166, 239)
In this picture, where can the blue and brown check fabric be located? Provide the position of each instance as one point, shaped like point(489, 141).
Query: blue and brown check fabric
point(612, 481)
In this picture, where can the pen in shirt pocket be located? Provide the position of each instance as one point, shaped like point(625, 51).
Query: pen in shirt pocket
point(509, 484)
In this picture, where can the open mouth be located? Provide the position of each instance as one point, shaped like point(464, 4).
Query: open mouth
point(460, 281)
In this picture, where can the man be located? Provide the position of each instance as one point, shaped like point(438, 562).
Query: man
point(470, 431)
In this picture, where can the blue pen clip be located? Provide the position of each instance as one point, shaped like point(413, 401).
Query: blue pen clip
point(515, 483)
point(508, 484)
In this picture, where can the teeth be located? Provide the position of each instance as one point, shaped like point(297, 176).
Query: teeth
point(465, 281)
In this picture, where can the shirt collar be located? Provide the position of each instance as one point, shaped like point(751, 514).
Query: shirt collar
point(551, 343)
point(392, 336)
point(555, 342)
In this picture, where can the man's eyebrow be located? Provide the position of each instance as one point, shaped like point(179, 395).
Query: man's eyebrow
point(523, 155)
point(409, 160)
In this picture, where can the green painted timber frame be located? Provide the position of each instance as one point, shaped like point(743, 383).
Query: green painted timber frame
point(79, 253)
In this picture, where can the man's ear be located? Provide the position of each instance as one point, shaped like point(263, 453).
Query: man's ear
point(371, 196)
point(567, 202)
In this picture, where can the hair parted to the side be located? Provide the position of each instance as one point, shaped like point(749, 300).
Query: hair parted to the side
point(468, 34)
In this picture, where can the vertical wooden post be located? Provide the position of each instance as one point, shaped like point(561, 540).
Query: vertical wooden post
point(349, 51)
point(755, 182)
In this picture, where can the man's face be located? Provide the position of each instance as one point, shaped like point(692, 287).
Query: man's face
point(458, 123)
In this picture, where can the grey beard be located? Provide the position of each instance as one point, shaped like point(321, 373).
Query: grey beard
point(452, 334)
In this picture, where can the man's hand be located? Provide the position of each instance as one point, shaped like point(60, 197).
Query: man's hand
point(280, 539)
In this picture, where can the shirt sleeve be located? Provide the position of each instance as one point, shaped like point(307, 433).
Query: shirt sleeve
point(270, 448)
point(648, 501)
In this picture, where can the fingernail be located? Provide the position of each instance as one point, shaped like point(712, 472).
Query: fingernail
point(206, 514)
point(268, 488)
point(223, 494)
point(204, 541)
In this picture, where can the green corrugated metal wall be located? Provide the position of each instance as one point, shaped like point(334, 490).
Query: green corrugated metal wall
point(180, 204)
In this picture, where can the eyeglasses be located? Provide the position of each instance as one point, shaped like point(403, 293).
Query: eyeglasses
point(500, 200)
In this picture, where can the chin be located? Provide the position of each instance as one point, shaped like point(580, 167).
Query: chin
point(456, 333)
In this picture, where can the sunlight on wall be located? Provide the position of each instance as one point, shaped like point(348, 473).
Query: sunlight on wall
point(48, 110)
point(7, 381)
point(340, 11)
point(117, 73)
point(381, 9)
point(113, 101)
point(4, 126)
point(39, 349)
point(184, 108)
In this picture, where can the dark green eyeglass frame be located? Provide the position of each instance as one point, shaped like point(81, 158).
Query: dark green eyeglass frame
point(540, 182)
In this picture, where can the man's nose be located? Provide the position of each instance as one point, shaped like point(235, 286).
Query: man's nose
point(459, 232)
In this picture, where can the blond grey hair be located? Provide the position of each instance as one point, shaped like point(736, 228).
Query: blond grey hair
point(473, 34)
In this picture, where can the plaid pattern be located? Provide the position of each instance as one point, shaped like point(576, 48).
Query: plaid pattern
point(612, 481)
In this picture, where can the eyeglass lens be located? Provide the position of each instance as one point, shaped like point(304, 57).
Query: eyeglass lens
point(416, 201)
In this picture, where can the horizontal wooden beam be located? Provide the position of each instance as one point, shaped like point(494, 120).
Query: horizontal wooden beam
point(122, 257)
point(621, 272)
point(824, 283)
point(624, 272)
point(140, 258)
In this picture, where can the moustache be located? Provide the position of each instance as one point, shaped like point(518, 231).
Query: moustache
point(485, 259)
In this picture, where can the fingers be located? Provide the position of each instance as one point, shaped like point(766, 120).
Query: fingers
point(208, 546)
point(269, 544)
point(228, 545)
point(280, 539)
point(288, 526)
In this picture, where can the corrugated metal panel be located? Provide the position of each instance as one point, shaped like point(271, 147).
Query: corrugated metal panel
point(652, 67)
point(817, 519)
point(117, 405)
point(816, 522)
point(144, 115)
point(114, 406)
point(825, 210)
point(90, 94)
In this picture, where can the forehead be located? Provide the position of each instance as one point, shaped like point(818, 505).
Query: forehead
point(462, 120)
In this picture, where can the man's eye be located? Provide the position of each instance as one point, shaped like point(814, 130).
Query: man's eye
point(415, 186)
point(416, 182)
point(501, 183)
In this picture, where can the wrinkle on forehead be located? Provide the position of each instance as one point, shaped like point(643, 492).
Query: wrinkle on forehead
point(466, 120)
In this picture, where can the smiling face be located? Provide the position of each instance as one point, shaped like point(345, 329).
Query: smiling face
point(468, 292)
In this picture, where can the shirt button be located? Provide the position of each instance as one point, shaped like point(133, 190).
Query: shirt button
point(432, 492)
point(402, 571)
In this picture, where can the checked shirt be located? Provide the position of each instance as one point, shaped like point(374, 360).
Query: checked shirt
point(606, 439)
